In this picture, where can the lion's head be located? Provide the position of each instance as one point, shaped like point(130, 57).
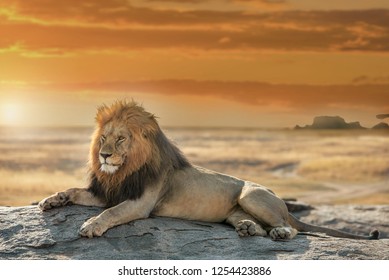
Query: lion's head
point(128, 150)
point(122, 141)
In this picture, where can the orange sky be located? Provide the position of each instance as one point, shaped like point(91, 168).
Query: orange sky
point(194, 62)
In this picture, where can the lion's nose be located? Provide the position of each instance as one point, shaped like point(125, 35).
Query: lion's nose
point(105, 156)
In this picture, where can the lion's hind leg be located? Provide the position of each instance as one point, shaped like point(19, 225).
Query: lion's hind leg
point(245, 224)
point(282, 233)
point(268, 210)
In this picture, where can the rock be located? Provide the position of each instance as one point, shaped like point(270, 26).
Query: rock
point(357, 218)
point(381, 125)
point(28, 233)
point(330, 122)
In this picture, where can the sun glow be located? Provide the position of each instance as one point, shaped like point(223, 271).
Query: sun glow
point(11, 114)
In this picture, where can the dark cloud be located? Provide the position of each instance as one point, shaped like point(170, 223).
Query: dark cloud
point(122, 11)
point(179, 1)
point(74, 25)
point(72, 38)
point(263, 1)
point(382, 116)
point(116, 12)
point(365, 79)
point(297, 97)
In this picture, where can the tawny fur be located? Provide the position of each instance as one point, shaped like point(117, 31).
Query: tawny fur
point(137, 172)
point(141, 123)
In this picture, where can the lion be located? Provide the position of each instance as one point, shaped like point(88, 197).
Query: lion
point(136, 172)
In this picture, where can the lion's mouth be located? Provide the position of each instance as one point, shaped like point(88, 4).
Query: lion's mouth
point(109, 168)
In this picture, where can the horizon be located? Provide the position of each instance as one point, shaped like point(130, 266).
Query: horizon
point(195, 127)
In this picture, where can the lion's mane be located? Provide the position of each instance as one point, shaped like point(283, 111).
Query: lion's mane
point(151, 154)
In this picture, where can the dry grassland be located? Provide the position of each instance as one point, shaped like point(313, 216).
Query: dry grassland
point(317, 167)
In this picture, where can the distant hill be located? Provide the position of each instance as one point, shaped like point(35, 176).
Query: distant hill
point(331, 122)
point(381, 125)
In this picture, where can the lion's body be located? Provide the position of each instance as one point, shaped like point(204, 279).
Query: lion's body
point(199, 194)
point(137, 172)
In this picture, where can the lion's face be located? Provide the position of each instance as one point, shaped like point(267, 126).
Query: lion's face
point(122, 143)
point(115, 140)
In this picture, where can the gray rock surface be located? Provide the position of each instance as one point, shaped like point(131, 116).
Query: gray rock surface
point(28, 233)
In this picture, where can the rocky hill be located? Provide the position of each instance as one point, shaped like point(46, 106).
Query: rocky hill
point(28, 233)
point(331, 122)
point(336, 122)
point(381, 125)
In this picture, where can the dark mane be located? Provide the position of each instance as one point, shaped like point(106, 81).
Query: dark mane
point(133, 186)
point(169, 153)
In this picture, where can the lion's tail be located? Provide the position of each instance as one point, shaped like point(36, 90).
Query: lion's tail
point(304, 227)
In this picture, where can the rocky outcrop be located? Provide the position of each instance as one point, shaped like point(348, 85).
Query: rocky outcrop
point(330, 122)
point(381, 125)
point(28, 233)
point(336, 122)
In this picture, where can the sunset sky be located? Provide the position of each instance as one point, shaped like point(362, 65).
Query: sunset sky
point(239, 63)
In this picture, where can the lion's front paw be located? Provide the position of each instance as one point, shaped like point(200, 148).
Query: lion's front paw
point(249, 228)
point(282, 233)
point(92, 227)
point(56, 200)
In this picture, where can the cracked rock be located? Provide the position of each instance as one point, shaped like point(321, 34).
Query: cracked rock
point(28, 233)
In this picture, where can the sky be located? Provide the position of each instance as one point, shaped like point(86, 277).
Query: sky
point(230, 63)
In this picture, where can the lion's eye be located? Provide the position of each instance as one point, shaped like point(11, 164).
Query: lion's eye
point(102, 139)
point(121, 139)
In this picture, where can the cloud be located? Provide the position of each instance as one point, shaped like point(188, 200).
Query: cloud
point(179, 1)
point(365, 79)
point(42, 25)
point(115, 13)
point(269, 2)
point(209, 1)
point(248, 103)
point(258, 94)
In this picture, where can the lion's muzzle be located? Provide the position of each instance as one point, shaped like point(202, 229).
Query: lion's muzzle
point(105, 156)
point(108, 164)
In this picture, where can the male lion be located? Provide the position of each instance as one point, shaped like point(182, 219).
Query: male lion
point(136, 172)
